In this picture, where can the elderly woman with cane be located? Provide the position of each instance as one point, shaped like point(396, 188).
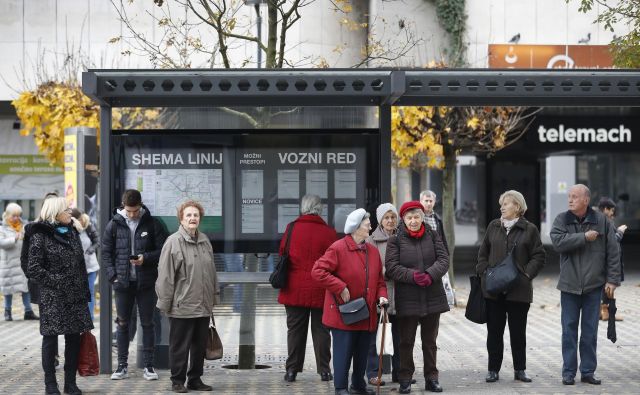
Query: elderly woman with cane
point(351, 272)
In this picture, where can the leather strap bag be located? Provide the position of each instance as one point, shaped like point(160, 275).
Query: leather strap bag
point(278, 277)
point(214, 347)
point(501, 277)
point(356, 310)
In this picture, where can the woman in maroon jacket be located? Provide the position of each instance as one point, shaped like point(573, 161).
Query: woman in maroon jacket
point(350, 269)
point(302, 297)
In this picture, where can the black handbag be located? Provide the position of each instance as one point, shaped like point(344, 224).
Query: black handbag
point(278, 277)
point(501, 277)
point(356, 310)
point(476, 310)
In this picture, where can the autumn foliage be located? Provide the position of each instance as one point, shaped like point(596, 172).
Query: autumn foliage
point(54, 106)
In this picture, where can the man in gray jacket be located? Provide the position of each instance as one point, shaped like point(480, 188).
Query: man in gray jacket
point(589, 260)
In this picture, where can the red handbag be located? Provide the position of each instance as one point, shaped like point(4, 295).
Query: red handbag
point(88, 361)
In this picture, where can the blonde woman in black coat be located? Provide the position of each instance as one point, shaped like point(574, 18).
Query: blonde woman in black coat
point(512, 306)
point(56, 263)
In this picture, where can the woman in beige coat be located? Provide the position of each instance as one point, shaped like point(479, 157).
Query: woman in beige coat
point(187, 289)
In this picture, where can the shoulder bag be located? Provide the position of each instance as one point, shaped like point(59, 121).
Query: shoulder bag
point(501, 277)
point(278, 277)
point(356, 310)
point(214, 347)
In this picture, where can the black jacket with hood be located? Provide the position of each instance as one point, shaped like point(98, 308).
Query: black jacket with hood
point(150, 236)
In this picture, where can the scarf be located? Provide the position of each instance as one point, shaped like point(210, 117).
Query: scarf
point(508, 223)
point(15, 225)
point(62, 229)
point(418, 234)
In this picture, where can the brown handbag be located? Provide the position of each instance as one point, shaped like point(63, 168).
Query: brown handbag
point(214, 344)
point(88, 360)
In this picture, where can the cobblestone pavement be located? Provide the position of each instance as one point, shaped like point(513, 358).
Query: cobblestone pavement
point(462, 356)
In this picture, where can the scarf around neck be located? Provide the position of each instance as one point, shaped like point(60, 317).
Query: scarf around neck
point(418, 234)
point(17, 225)
point(508, 223)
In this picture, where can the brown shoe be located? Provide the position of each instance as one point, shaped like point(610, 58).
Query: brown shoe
point(604, 312)
point(374, 381)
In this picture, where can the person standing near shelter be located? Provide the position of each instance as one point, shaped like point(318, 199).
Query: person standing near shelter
point(589, 260)
point(349, 270)
point(187, 289)
point(90, 243)
point(511, 233)
point(302, 297)
point(131, 246)
point(12, 278)
point(56, 263)
point(416, 260)
point(608, 208)
point(431, 218)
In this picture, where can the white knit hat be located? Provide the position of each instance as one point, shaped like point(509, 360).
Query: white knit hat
point(382, 210)
point(353, 220)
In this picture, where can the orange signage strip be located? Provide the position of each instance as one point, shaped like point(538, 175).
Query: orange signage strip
point(516, 56)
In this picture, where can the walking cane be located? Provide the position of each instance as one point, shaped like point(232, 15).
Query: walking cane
point(385, 319)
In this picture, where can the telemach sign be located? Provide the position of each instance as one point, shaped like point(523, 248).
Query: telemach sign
point(621, 134)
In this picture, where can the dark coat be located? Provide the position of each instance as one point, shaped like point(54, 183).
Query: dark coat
point(310, 238)
point(529, 256)
point(440, 230)
point(584, 265)
point(116, 247)
point(407, 255)
point(343, 265)
point(56, 263)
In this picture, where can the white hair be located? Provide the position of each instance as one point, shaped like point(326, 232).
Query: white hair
point(311, 204)
point(517, 198)
point(51, 208)
point(11, 209)
point(428, 192)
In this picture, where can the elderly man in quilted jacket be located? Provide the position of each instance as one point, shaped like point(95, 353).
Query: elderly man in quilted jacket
point(589, 261)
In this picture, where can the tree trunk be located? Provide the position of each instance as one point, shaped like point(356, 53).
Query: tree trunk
point(448, 198)
point(272, 34)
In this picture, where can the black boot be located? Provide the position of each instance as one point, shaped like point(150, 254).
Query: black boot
point(30, 315)
point(50, 384)
point(70, 386)
point(7, 315)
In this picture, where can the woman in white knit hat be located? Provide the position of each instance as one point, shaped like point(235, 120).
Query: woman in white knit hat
point(387, 216)
point(351, 269)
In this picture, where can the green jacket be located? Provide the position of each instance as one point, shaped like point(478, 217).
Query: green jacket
point(585, 266)
point(187, 284)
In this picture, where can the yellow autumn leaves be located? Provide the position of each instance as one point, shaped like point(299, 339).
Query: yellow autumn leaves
point(53, 107)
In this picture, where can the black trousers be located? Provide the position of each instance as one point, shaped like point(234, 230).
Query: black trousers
point(297, 329)
point(407, 327)
point(498, 313)
point(187, 344)
point(71, 352)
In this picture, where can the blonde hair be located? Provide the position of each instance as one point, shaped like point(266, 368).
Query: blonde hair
point(51, 208)
point(517, 198)
point(11, 209)
point(84, 220)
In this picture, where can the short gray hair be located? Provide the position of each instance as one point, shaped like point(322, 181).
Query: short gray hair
point(51, 208)
point(517, 199)
point(311, 204)
point(11, 209)
point(428, 192)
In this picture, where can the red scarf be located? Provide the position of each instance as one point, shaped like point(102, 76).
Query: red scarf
point(418, 234)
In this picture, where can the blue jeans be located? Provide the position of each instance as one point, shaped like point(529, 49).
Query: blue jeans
point(348, 345)
point(146, 299)
point(572, 306)
point(92, 288)
point(26, 301)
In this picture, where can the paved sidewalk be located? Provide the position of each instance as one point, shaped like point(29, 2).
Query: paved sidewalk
point(462, 356)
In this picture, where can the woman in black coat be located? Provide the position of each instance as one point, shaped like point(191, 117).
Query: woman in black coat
point(56, 263)
point(416, 260)
point(512, 306)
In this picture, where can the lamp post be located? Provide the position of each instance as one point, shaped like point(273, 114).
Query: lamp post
point(256, 5)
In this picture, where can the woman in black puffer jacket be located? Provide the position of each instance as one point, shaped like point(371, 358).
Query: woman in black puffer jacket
point(56, 263)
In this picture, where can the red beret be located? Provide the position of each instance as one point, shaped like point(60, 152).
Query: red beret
point(410, 206)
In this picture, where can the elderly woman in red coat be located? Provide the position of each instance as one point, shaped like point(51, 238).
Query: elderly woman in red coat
point(351, 269)
point(302, 297)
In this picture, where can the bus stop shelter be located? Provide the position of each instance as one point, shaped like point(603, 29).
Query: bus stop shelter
point(367, 88)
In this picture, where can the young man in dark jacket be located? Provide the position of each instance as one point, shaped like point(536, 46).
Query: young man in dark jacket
point(131, 247)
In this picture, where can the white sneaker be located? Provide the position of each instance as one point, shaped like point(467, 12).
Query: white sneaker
point(150, 374)
point(120, 373)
